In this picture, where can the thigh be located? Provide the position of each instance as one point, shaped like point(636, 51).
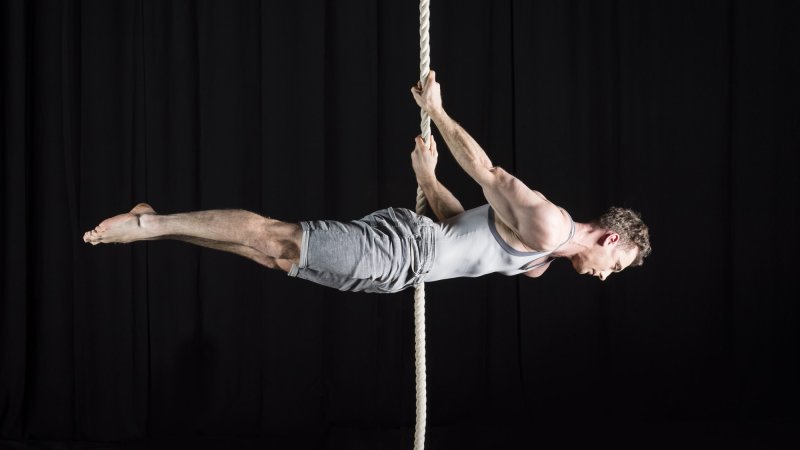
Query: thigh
point(381, 252)
point(353, 250)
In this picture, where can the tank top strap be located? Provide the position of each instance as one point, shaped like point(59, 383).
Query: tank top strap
point(571, 231)
point(534, 264)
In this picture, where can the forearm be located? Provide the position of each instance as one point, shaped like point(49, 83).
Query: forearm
point(440, 200)
point(467, 152)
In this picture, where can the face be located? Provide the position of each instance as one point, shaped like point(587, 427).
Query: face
point(604, 258)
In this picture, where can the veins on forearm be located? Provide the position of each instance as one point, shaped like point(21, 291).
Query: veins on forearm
point(467, 152)
point(441, 201)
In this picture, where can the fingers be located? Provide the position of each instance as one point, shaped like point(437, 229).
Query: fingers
point(419, 89)
point(431, 80)
point(420, 144)
point(417, 94)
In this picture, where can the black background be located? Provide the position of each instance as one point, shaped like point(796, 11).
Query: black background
point(686, 111)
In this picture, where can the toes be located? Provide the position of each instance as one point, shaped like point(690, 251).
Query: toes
point(92, 237)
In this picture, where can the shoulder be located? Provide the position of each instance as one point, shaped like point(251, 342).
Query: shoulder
point(548, 226)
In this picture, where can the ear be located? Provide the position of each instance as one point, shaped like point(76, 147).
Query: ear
point(610, 238)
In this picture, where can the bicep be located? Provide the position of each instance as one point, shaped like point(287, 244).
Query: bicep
point(510, 198)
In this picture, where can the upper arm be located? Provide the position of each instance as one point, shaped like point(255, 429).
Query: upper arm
point(511, 199)
point(534, 218)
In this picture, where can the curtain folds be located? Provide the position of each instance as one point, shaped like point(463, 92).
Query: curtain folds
point(685, 111)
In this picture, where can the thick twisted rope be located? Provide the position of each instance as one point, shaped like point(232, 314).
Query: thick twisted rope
point(419, 290)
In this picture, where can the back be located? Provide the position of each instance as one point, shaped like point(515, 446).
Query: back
point(468, 245)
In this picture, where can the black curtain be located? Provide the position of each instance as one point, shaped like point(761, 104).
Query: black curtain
point(686, 111)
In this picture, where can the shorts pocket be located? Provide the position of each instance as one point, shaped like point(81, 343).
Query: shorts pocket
point(423, 252)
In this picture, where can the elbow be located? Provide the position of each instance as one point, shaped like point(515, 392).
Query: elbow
point(484, 163)
point(492, 177)
point(478, 166)
point(484, 177)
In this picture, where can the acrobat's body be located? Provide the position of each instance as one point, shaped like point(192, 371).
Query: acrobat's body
point(394, 248)
point(518, 232)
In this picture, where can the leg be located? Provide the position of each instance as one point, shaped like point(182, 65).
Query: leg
point(241, 250)
point(229, 230)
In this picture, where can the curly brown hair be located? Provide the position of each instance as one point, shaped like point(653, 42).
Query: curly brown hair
point(631, 229)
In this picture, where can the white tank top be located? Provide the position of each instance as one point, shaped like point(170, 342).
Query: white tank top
point(468, 245)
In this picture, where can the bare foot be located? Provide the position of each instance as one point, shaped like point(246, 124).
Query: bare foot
point(120, 229)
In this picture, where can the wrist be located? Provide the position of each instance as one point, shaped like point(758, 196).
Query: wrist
point(436, 113)
point(426, 181)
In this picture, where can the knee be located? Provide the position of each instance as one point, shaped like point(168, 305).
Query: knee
point(287, 249)
point(281, 240)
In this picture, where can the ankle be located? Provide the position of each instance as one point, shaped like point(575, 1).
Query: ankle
point(148, 222)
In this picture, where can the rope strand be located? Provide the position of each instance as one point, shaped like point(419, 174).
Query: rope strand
point(419, 290)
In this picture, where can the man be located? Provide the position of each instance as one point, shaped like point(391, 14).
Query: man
point(518, 232)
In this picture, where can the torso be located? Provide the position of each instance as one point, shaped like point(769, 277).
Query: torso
point(477, 242)
point(516, 243)
point(510, 237)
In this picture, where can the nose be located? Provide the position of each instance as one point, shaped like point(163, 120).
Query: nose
point(603, 276)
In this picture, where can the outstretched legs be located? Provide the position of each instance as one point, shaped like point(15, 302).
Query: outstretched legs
point(269, 242)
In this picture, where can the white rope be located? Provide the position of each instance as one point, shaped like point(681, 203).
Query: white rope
point(419, 290)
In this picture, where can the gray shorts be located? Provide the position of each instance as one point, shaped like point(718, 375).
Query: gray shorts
point(386, 251)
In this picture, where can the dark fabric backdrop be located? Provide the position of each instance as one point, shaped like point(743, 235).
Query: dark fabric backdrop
point(686, 111)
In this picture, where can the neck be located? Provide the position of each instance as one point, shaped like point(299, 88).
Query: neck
point(585, 237)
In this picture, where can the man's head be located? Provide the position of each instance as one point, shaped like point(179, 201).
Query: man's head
point(622, 240)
